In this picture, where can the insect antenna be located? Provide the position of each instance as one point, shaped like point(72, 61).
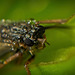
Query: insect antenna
point(56, 26)
point(57, 23)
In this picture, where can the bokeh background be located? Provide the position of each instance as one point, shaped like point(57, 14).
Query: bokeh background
point(59, 57)
point(39, 9)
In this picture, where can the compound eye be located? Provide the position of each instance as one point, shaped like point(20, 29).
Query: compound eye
point(38, 33)
point(29, 42)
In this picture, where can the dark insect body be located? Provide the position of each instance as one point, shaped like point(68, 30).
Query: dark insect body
point(25, 36)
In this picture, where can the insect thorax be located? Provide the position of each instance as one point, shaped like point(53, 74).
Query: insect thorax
point(22, 35)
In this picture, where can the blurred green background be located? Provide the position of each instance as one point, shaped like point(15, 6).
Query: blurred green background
point(38, 9)
point(60, 55)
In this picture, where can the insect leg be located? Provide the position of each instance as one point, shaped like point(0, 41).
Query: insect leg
point(19, 60)
point(61, 21)
point(43, 41)
point(28, 62)
point(9, 59)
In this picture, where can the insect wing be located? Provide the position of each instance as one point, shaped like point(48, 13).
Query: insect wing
point(4, 47)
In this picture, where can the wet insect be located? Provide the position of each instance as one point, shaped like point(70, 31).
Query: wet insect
point(25, 37)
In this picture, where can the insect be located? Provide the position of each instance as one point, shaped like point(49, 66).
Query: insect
point(25, 37)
